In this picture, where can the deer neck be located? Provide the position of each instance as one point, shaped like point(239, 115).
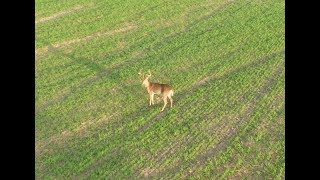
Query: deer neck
point(146, 84)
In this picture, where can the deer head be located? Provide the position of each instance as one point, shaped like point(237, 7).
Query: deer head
point(145, 78)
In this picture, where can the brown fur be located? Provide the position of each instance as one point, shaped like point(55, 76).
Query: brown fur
point(165, 90)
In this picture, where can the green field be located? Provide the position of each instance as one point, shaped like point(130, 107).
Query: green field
point(224, 59)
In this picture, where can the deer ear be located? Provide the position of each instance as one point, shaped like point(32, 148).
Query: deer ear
point(140, 74)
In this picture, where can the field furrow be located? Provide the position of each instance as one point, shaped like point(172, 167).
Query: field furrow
point(223, 58)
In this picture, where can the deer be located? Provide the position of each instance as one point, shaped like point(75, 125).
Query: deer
point(165, 90)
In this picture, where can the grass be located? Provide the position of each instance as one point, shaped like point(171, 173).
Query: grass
point(224, 58)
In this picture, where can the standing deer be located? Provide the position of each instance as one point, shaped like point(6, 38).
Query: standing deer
point(155, 88)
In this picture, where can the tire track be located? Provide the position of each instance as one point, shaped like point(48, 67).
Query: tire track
point(236, 70)
point(160, 157)
point(205, 80)
point(190, 139)
point(61, 138)
point(132, 18)
point(232, 132)
point(63, 13)
point(203, 83)
point(52, 48)
point(247, 133)
point(225, 75)
point(101, 73)
point(189, 27)
point(161, 114)
point(49, 48)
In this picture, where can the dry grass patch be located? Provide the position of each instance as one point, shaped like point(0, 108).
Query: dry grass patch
point(126, 28)
point(62, 13)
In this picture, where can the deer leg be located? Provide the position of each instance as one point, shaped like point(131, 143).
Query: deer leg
point(152, 101)
point(165, 102)
point(171, 100)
